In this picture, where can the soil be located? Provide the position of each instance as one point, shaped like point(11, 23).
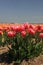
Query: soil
point(4, 60)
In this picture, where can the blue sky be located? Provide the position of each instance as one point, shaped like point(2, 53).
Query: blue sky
point(18, 11)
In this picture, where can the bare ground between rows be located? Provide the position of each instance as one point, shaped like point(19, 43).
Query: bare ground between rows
point(4, 60)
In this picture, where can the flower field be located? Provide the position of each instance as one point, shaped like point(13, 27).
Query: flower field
point(26, 40)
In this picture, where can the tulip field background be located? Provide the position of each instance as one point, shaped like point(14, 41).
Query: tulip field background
point(21, 44)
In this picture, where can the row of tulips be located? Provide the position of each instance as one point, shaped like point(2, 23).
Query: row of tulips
point(26, 40)
point(22, 29)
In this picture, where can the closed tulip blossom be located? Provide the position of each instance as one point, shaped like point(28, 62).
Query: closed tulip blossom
point(41, 35)
point(42, 29)
point(0, 32)
point(26, 25)
point(23, 33)
point(32, 26)
point(31, 31)
point(12, 28)
point(6, 29)
point(38, 28)
point(22, 28)
point(11, 34)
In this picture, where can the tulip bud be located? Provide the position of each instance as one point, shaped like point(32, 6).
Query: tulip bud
point(26, 25)
point(31, 31)
point(32, 26)
point(42, 29)
point(23, 33)
point(41, 35)
point(0, 32)
point(11, 34)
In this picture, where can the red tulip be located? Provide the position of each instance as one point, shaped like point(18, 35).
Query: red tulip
point(11, 34)
point(16, 28)
point(42, 29)
point(41, 35)
point(13, 28)
point(38, 28)
point(32, 26)
point(21, 28)
point(6, 29)
point(26, 25)
point(31, 31)
point(23, 33)
point(0, 32)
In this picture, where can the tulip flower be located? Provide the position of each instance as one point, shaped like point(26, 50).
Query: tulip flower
point(1, 37)
point(38, 28)
point(41, 35)
point(22, 28)
point(11, 34)
point(32, 26)
point(26, 25)
point(13, 28)
point(6, 29)
point(0, 32)
point(23, 33)
point(16, 28)
point(42, 29)
point(31, 31)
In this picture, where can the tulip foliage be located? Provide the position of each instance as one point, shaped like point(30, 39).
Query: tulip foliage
point(26, 40)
